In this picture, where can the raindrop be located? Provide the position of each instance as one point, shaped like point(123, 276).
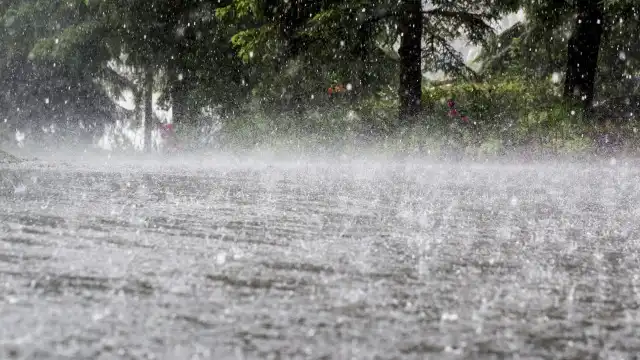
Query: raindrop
point(45, 205)
point(19, 136)
point(20, 189)
point(57, 40)
point(449, 317)
point(622, 56)
point(221, 258)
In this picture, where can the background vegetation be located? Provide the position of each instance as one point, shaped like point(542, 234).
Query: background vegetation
point(566, 78)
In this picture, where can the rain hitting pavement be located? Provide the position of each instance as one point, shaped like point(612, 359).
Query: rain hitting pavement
point(351, 259)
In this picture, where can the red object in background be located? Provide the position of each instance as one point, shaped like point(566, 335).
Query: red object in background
point(166, 130)
point(452, 109)
point(336, 89)
point(454, 112)
point(168, 133)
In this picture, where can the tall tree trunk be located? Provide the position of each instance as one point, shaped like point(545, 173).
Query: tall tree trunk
point(582, 53)
point(176, 71)
point(148, 107)
point(364, 82)
point(410, 90)
point(177, 94)
point(138, 106)
point(138, 110)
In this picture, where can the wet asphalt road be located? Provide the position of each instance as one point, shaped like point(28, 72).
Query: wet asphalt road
point(350, 259)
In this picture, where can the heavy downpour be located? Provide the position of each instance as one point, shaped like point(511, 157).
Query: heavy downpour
point(289, 179)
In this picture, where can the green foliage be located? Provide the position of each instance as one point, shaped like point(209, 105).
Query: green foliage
point(316, 44)
point(538, 46)
point(46, 74)
point(516, 110)
point(266, 66)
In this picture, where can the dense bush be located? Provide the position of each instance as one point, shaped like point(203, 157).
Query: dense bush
point(506, 114)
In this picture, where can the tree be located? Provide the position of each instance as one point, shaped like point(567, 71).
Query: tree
point(352, 41)
point(619, 57)
point(410, 89)
point(535, 48)
point(181, 43)
point(582, 52)
point(603, 31)
point(148, 107)
point(291, 50)
point(34, 51)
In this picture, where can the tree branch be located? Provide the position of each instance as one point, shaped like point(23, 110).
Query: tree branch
point(118, 80)
point(472, 19)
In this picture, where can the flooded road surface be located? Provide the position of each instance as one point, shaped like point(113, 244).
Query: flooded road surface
point(318, 260)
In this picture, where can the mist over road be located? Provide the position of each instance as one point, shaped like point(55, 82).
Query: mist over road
point(232, 258)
